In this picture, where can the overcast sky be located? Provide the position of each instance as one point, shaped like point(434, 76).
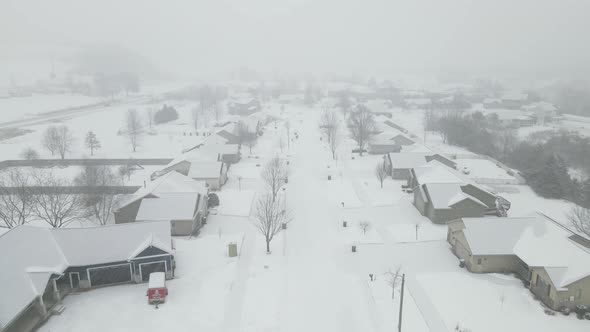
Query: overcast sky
point(370, 36)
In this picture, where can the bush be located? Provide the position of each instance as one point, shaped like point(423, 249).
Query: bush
point(565, 310)
point(213, 200)
point(166, 114)
point(29, 154)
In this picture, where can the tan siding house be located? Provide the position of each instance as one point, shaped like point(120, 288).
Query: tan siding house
point(536, 249)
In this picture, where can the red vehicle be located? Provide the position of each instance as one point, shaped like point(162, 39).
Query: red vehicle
point(157, 290)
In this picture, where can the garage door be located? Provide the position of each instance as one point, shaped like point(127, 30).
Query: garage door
point(147, 268)
point(107, 275)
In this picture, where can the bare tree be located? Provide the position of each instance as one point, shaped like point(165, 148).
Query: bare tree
point(393, 279)
point(92, 142)
point(134, 128)
point(329, 123)
point(51, 139)
point(16, 201)
point(330, 127)
point(99, 202)
point(381, 172)
point(362, 126)
point(334, 143)
point(288, 127)
point(52, 204)
point(506, 139)
point(580, 218)
point(274, 174)
point(29, 154)
point(365, 226)
point(66, 139)
point(270, 215)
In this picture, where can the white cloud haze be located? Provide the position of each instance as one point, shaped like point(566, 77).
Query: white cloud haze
point(375, 36)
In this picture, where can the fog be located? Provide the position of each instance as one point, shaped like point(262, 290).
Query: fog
point(528, 37)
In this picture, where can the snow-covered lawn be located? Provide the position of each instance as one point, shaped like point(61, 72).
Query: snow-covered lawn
point(235, 202)
point(343, 193)
point(357, 233)
point(525, 202)
point(424, 232)
point(490, 302)
point(387, 309)
point(377, 196)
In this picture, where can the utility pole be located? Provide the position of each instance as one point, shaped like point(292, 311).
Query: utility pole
point(401, 304)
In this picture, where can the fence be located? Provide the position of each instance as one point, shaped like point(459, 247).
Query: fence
point(73, 190)
point(45, 163)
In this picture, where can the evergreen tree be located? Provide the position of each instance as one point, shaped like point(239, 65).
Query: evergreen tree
point(92, 142)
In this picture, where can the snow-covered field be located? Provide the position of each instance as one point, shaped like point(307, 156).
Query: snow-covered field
point(17, 108)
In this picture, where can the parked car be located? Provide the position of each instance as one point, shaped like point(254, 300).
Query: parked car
point(157, 290)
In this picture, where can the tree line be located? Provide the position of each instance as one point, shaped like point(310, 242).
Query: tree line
point(36, 195)
point(543, 159)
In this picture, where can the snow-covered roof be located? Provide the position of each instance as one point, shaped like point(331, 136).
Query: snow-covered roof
point(405, 160)
point(112, 243)
point(157, 280)
point(181, 206)
point(536, 240)
point(31, 255)
point(436, 172)
point(445, 195)
point(541, 106)
point(416, 148)
point(205, 170)
point(171, 182)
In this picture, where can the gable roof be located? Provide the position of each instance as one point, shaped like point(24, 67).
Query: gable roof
point(171, 182)
point(537, 240)
point(446, 195)
point(32, 255)
point(168, 207)
point(436, 172)
point(205, 170)
point(406, 160)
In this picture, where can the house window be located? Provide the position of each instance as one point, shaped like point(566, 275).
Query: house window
point(579, 294)
point(479, 261)
point(536, 280)
point(548, 290)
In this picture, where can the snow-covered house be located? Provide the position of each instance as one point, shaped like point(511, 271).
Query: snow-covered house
point(442, 195)
point(243, 105)
point(388, 142)
point(542, 112)
point(46, 264)
point(170, 183)
point(537, 249)
point(204, 165)
point(400, 164)
point(186, 212)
